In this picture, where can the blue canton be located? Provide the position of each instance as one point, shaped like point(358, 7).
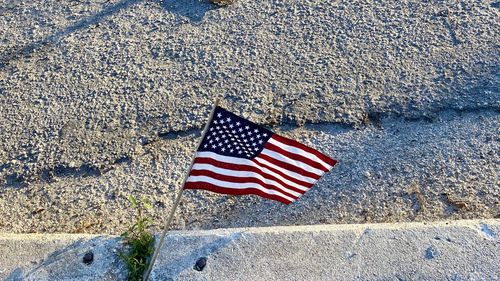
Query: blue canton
point(234, 136)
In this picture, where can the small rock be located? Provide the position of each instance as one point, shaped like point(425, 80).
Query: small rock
point(200, 264)
point(431, 253)
point(443, 13)
point(222, 2)
point(88, 258)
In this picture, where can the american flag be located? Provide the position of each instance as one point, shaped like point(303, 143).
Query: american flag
point(239, 157)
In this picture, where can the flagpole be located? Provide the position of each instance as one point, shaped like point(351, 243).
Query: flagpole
point(178, 198)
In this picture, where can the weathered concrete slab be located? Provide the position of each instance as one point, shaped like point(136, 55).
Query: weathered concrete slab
point(455, 250)
point(59, 257)
point(435, 251)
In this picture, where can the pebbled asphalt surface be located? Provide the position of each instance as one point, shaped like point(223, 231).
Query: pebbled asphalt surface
point(99, 99)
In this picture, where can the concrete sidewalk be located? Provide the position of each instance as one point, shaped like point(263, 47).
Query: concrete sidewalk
point(456, 250)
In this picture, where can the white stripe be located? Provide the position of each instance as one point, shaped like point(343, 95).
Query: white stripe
point(237, 185)
point(291, 173)
point(243, 161)
point(242, 174)
point(286, 159)
point(296, 150)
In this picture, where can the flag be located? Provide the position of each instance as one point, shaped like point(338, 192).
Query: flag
point(239, 157)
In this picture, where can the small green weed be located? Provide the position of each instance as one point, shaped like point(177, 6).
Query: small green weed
point(139, 240)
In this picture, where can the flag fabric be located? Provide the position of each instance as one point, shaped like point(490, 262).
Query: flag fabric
point(239, 157)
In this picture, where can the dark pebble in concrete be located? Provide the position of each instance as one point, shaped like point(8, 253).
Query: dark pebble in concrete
point(200, 264)
point(88, 258)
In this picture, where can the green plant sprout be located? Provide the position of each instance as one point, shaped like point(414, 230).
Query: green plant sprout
point(139, 240)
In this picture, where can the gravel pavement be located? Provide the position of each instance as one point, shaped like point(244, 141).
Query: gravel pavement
point(101, 99)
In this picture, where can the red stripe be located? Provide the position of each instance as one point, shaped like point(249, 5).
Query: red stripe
point(233, 191)
point(295, 157)
point(239, 167)
point(290, 178)
point(239, 180)
point(320, 155)
point(289, 167)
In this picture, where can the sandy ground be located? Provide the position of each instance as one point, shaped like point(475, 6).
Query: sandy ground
point(101, 99)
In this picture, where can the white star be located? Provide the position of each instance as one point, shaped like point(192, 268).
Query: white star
point(256, 149)
point(231, 126)
point(210, 141)
point(238, 123)
point(260, 141)
point(245, 140)
point(231, 150)
point(229, 145)
point(217, 127)
point(220, 144)
point(208, 137)
point(265, 134)
point(211, 128)
point(252, 138)
point(224, 127)
point(240, 130)
point(217, 139)
point(219, 115)
point(223, 149)
point(216, 122)
point(214, 133)
point(239, 152)
point(247, 127)
point(233, 131)
point(226, 141)
point(214, 146)
point(223, 136)
point(228, 119)
point(249, 133)
point(256, 130)
point(258, 136)
point(221, 121)
point(205, 146)
point(254, 144)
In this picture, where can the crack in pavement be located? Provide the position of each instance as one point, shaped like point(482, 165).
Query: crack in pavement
point(49, 174)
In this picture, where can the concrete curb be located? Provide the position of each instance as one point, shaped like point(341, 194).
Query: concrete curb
point(455, 250)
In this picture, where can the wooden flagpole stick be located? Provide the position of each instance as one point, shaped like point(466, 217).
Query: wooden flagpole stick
point(178, 198)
